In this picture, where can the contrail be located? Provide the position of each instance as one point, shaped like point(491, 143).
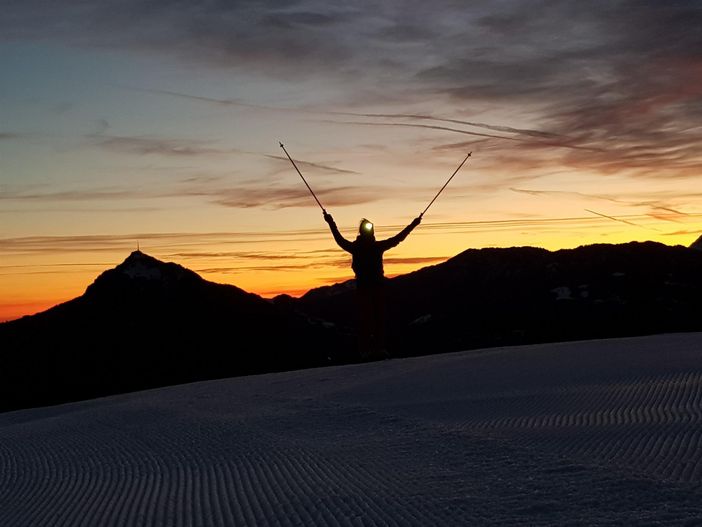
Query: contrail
point(420, 117)
point(310, 164)
point(568, 193)
point(651, 204)
point(466, 132)
point(429, 126)
point(212, 100)
point(535, 135)
point(622, 221)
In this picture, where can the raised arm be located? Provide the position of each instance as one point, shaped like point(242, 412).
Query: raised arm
point(392, 242)
point(338, 238)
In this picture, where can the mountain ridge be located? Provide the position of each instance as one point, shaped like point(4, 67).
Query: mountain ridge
point(147, 323)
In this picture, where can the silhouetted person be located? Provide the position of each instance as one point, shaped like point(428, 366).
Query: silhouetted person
point(367, 264)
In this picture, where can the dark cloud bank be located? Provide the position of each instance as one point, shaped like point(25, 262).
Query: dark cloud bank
point(620, 81)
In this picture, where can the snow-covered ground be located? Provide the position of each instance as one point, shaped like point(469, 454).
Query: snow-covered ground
point(586, 433)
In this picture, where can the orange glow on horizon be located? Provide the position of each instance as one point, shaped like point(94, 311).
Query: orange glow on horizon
point(31, 284)
point(14, 311)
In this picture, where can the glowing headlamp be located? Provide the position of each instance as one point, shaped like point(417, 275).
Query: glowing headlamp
point(367, 226)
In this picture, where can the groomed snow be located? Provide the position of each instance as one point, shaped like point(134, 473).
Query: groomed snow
point(586, 433)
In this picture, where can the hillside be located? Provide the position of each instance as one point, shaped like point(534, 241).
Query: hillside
point(521, 295)
point(147, 323)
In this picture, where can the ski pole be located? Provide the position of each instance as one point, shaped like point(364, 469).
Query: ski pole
point(303, 178)
point(445, 184)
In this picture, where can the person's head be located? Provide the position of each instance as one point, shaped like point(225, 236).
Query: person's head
point(365, 229)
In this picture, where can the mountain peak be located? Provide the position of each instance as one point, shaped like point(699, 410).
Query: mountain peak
point(141, 270)
point(141, 265)
point(697, 244)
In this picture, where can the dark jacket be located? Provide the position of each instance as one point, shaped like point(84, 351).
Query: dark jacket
point(367, 253)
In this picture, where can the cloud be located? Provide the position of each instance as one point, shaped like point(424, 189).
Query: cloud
point(532, 137)
point(631, 198)
point(101, 126)
point(55, 268)
point(617, 89)
point(419, 117)
point(6, 136)
point(238, 196)
point(414, 259)
point(290, 35)
point(159, 243)
point(80, 210)
point(71, 195)
point(183, 244)
point(659, 207)
point(159, 146)
point(511, 50)
point(193, 148)
point(259, 268)
point(256, 192)
point(216, 101)
point(285, 197)
point(345, 262)
point(34, 245)
point(195, 245)
point(411, 117)
point(565, 143)
point(685, 232)
point(238, 254)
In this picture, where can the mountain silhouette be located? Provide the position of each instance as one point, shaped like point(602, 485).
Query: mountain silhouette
point(522, 295)
point(697, 244)
point(144, 324)
point(147, 323)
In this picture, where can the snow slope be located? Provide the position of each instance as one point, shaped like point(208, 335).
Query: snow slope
point(598, 432)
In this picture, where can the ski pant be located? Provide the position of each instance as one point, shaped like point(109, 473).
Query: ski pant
point(371, 321)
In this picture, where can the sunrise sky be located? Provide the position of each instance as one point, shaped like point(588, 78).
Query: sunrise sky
point(123, 121)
